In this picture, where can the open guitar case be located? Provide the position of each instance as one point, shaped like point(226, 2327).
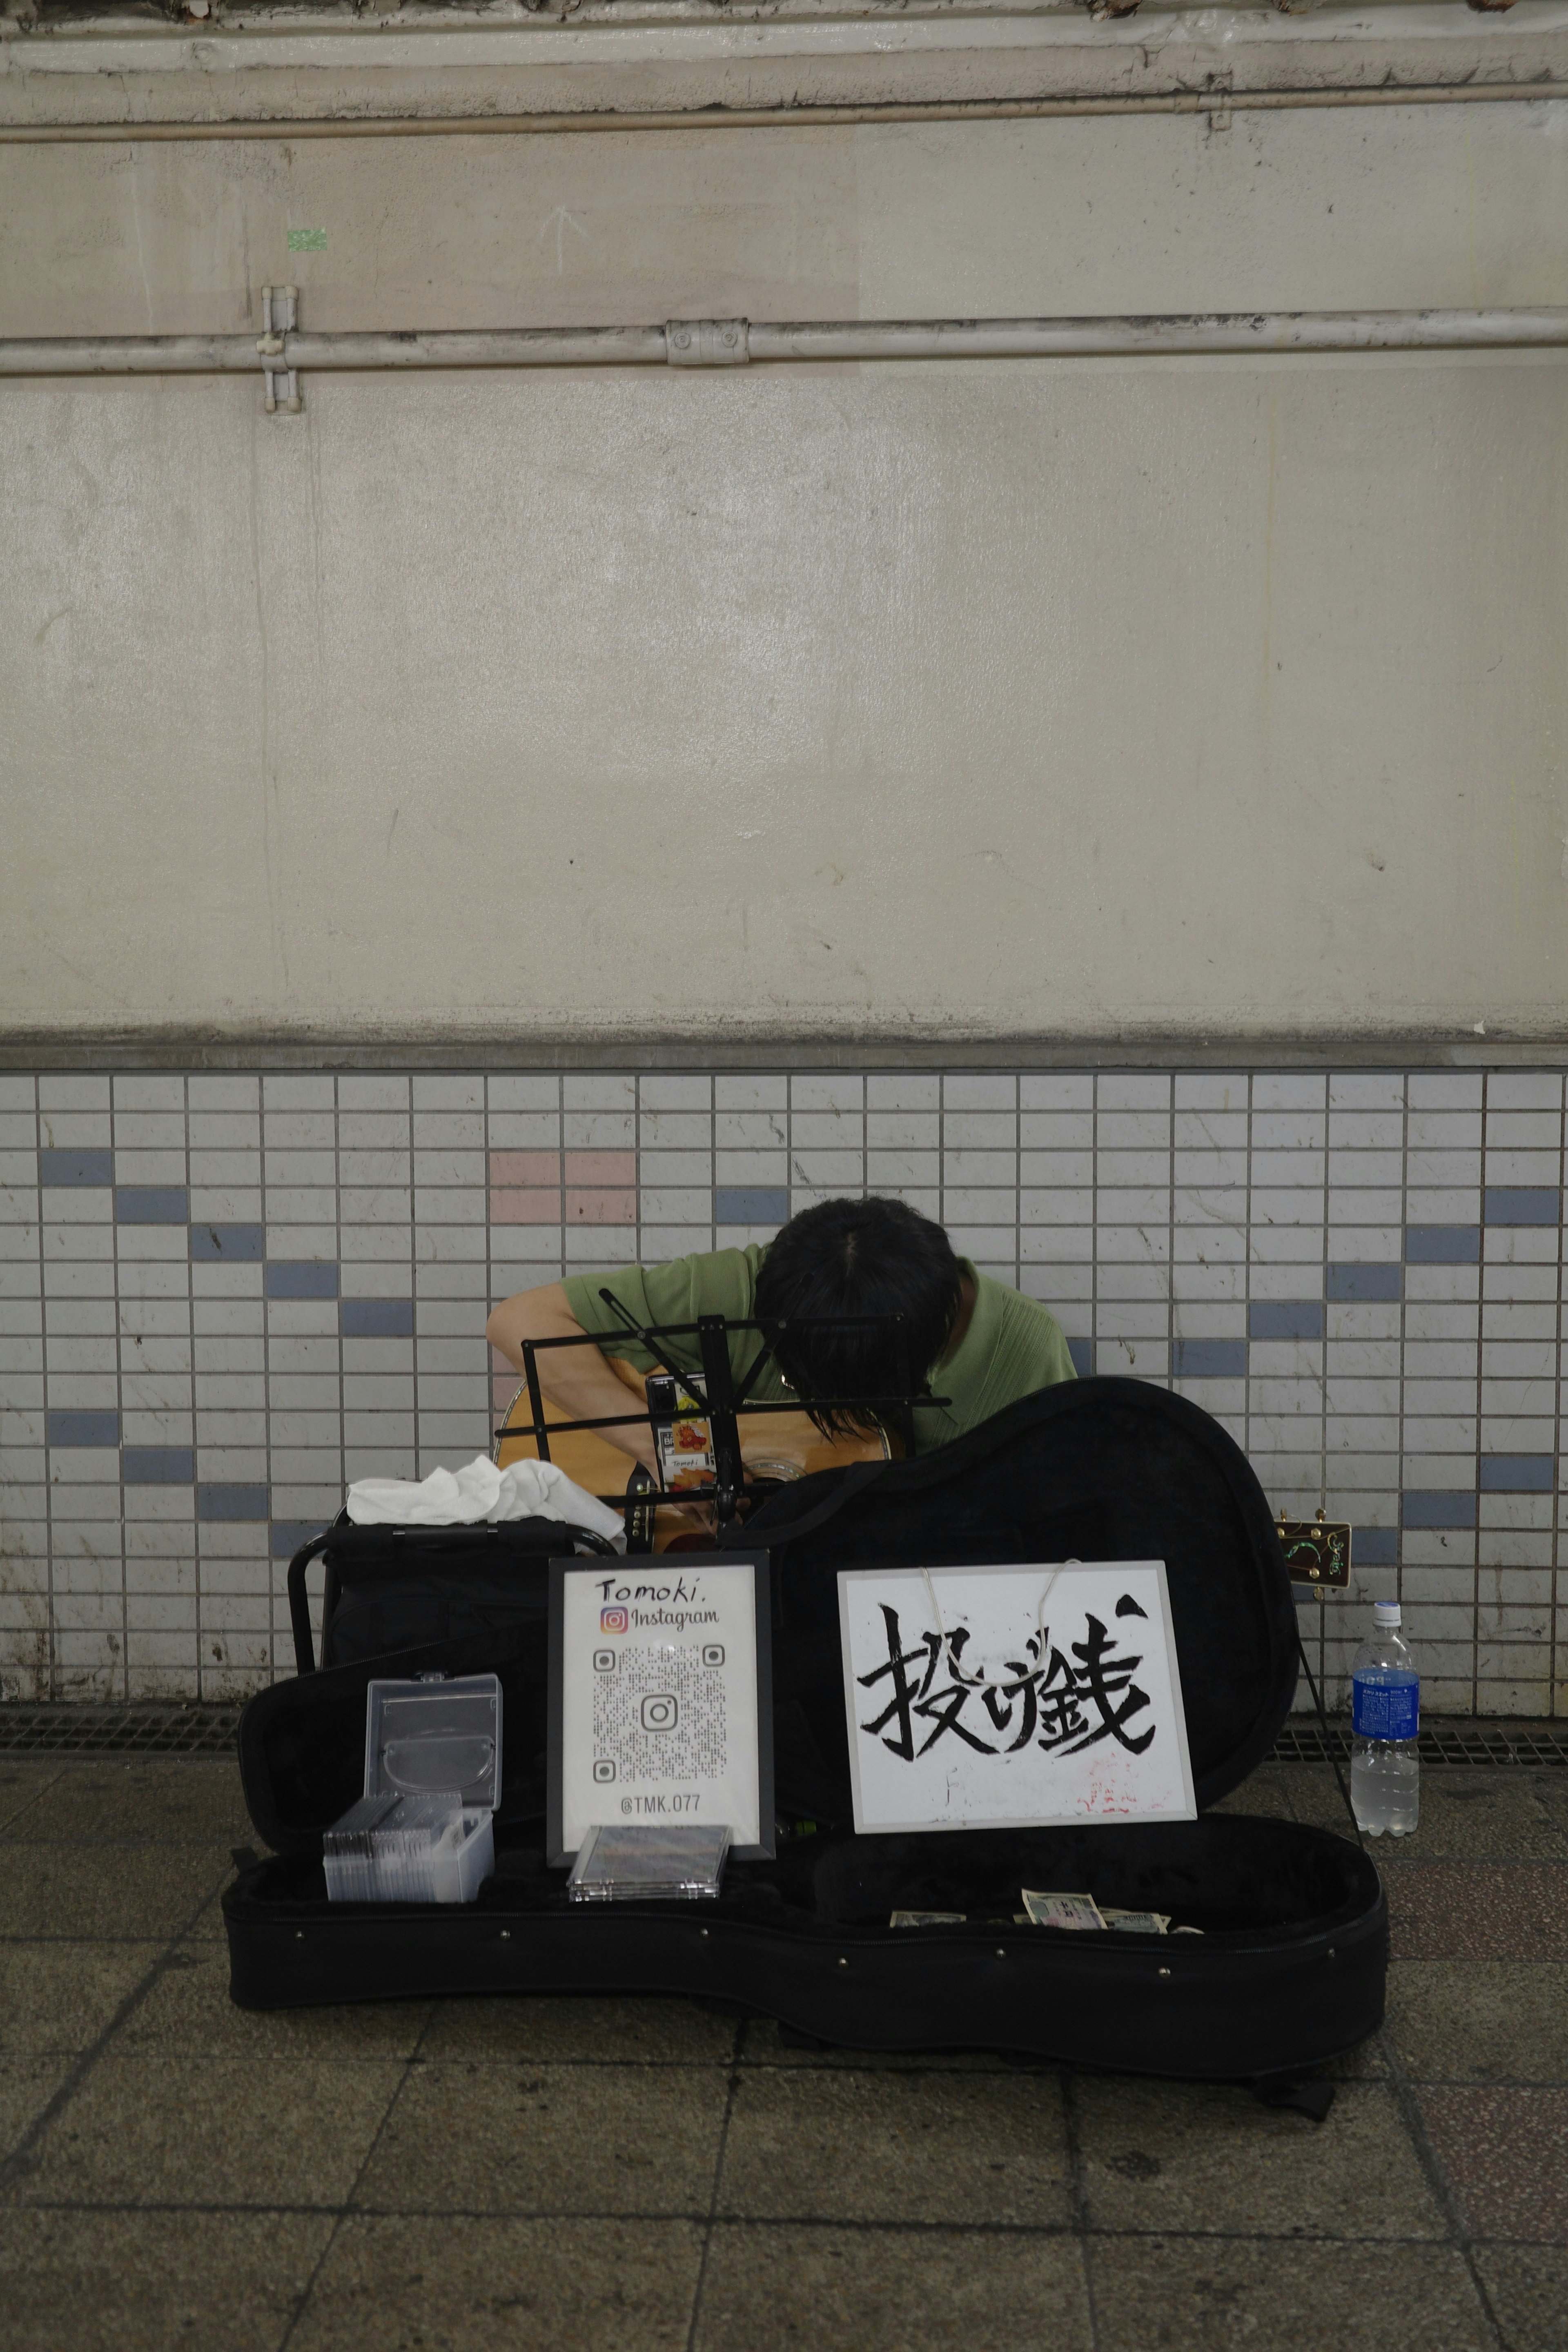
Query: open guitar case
point(1289, 1968)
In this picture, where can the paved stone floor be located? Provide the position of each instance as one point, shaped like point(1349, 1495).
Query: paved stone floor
point(619, 2174)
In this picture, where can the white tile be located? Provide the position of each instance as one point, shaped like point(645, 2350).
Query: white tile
point(1368, 1091)
point(1124, 1090)
point(768, 1130)
point(960, 1168)
point(980, 1091)
point(826, 1091)
point(538, 1132)
point(756, 1091)
point(598, 1091)
point(599, 1130)
point(674, 1130)
point(533, 1091)
point(447, 1092)
point(373, 1091)
point(675, 1093)
point(1056, 1206)
point(750, 1168)
point(1051, 1090)
point(1524, 1090)
point(837, 1170)
point(1444, 1090)
point(1221, 1091)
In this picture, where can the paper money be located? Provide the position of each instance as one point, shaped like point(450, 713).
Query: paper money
point(926, 1919)
point(1138, 1922)
point(1187, 1931)
point(1062, 1910)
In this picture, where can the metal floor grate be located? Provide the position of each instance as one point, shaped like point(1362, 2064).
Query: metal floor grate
point(65, 1728)
point(1448, 1740)
point(71, 1729)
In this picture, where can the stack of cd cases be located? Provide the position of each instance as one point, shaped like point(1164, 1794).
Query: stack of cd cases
point(633, 1863)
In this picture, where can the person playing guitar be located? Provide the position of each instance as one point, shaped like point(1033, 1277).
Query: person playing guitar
point(980, 1344)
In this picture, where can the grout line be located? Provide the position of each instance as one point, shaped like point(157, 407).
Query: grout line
point(710, 2216)
point(1460, 2235)
point(1078, 2193)
point(845, 2225)
point(349, 2208)
point(19, 2160)
point(26, 1805)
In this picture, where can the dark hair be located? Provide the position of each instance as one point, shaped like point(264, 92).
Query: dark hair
point(859, 1258)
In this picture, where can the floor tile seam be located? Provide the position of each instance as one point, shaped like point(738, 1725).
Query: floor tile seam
point(114, 1943)
point(1077, 2189)
point(853, 2224)
point(303, 2300)
point(1443, 2188)
point(17, 2161)
point(737, 2044)
point(28, 1803)
point(112, 1845)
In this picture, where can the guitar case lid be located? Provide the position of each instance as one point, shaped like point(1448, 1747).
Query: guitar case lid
point(1091, 1469)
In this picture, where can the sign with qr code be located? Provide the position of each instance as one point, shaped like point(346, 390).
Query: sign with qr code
point(660, 1703)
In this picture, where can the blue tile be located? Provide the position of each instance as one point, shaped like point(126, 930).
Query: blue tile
point(1437, 1510)
point(1442, 1244)
point(377, 1318)
point(1285, 1318)
point(229, 1244)
point(1208, 1360)
point(1522, 1204)
point(1517, 1473)
point(1374, 1547)
point(290, 1536)
point(750, 1204)
point(151, 1204)
point(1345, 1282)
point(159, 1466)
point(304, 1278)
point(231, 1502)
point(84, 1428)
point(76, 1167)
point(1082, 1354)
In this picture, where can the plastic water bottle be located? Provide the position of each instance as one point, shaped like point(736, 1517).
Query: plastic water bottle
point(1386, 1717)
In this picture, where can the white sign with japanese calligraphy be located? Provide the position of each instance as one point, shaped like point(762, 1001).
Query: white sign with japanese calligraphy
point(1012, 1697)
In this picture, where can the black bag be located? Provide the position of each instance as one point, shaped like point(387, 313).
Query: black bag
point(404, 1588)
point(1287, 1972)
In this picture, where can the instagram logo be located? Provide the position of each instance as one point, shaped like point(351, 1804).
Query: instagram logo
point(613, 1620)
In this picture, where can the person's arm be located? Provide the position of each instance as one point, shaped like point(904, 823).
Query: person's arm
point(578, 1380)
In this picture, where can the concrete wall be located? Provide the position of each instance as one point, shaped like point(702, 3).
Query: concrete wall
point(982, 699)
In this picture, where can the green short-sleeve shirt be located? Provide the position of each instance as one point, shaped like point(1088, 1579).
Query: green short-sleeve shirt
point(1013, 1345)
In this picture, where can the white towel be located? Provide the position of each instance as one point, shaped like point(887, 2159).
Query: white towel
point(480, 1491)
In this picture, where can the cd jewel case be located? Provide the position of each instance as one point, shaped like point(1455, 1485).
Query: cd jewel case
point(638, 1864)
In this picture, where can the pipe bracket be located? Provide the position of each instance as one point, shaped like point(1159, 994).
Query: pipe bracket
point(280, 317)
point(706, 342)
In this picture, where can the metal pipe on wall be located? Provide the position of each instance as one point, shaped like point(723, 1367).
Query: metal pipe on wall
point(806, 117)
point(729, 342)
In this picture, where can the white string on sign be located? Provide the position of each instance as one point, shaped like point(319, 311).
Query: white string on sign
point(977, 1680)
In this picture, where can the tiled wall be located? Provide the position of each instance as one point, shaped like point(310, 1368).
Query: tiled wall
point(223, 1296)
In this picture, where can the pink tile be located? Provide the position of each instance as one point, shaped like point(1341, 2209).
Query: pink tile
point(519, 1208)
point(503, 1388)
point(525, 1168)
point(602, 1208)
point(602, 1168)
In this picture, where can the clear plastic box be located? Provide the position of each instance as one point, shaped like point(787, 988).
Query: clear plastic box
point(423, 1831)
point(633, 1863)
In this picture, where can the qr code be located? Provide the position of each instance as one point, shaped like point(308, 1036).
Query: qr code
point(661, 1715)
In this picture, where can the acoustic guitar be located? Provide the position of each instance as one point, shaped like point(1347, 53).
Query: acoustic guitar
point(783, 1445)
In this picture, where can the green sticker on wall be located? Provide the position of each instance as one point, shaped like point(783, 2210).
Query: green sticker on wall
point(307, 240)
